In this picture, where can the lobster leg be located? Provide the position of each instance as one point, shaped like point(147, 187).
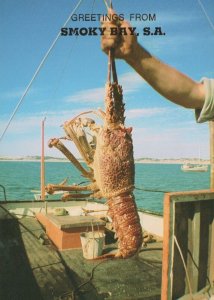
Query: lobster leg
point(68, 196)
point(61, 147)
point(51, 188)
point(76, 133)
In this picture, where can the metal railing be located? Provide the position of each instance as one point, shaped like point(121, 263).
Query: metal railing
point(4, 192)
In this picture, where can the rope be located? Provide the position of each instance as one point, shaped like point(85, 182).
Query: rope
point(67, 59)
point(77, 289)
point(37, 71)
point(153, 191)
point(106, 4)
point(185, 267)
point(206, 15)
point(61, 75)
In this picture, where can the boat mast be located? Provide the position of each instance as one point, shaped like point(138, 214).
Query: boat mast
point(43, 161)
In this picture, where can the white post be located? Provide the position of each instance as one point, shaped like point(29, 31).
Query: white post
point(43, 161)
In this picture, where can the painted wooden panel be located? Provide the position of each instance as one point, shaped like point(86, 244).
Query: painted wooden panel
point(188, 255)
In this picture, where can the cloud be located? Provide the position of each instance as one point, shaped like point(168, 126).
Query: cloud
point(172, 142)
point(87, 96)
point(173, 18)
point(11, 94)
point(167, 18)
point(24, 124)
point(15, 94)
point(130, 82)
point(173, 23)
point(20, 125)
point(144, 112)
point(182, 140)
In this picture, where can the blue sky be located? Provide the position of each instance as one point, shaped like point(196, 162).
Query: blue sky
point(73, 78)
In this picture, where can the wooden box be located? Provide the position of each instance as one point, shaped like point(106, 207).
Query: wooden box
point(64, 231)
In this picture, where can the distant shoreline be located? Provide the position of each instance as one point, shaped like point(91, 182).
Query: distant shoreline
point(139, 160)
point(174, 161)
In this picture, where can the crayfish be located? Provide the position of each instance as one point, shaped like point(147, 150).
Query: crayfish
point(109, 156)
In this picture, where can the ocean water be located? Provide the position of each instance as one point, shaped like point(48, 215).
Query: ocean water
point(19, 178)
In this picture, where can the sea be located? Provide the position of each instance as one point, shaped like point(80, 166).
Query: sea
point(151, 180)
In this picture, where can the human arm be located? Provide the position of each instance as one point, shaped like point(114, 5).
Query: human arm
point(169, 82)
point(166, 80)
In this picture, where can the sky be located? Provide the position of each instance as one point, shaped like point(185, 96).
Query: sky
point(72, 79)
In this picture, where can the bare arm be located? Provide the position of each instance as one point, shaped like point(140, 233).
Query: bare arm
point(166, 80)
point(169, 82)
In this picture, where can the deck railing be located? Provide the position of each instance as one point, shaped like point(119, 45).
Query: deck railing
point(4, 192)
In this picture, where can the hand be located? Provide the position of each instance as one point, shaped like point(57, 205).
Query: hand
point(123, 45)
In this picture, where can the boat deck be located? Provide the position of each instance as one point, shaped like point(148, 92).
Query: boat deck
point(32, 268)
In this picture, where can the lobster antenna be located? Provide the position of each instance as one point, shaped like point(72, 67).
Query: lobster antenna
point(106, 4)
point(111, 61)
point(113, 65)
point(109, 66)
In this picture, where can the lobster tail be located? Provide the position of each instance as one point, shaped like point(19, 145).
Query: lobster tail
point(123, 211)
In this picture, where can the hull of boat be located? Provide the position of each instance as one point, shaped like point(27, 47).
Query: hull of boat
point(151, 222)
point(194, 168)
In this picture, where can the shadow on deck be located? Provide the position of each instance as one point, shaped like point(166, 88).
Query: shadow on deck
point(32, 270)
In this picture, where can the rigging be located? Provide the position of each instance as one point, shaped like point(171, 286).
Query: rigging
point(37, 71)
point(206, 15)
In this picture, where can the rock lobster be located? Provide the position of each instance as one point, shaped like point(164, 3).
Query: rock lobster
point(109, 156)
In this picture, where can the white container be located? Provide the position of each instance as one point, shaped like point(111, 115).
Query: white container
point(92, 244)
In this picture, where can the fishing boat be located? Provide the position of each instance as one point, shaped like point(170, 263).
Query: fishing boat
point(41, 240)
point(38, 196)
point(194, 168)
point(49, 258)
